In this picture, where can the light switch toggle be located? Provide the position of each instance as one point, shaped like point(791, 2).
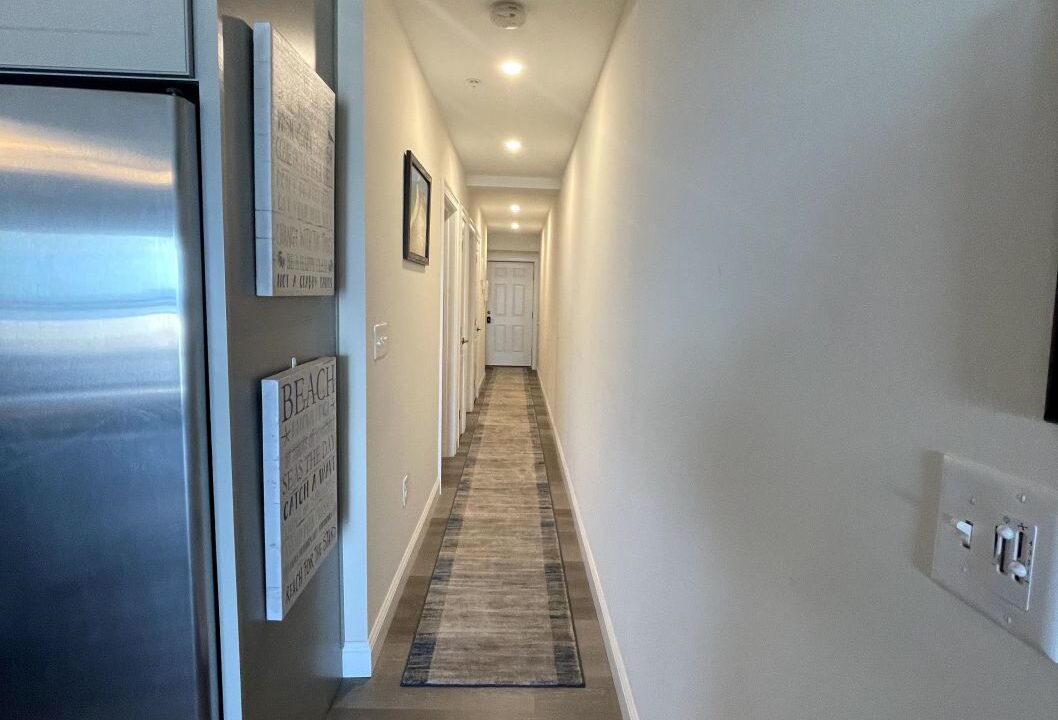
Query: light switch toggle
point(1014, 549)
point(965, 530)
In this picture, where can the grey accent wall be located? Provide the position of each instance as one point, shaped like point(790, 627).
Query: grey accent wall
point(307, 24)
point(270, 670)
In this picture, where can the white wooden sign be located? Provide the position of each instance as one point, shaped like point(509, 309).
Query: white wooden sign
point(293, 119)
point(299, 412)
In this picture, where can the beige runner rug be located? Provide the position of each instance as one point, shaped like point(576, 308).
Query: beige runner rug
point(497, 611)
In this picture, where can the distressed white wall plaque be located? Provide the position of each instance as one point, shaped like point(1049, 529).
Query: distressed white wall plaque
point(299, 412)
point(293, 126)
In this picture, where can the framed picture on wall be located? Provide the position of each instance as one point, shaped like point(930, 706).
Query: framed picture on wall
point(417, 185)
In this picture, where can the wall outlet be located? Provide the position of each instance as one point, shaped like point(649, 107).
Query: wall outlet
point(994, 548)
point(404, 491)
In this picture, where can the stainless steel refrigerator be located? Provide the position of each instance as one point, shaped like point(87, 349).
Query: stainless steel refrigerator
point(106, 587)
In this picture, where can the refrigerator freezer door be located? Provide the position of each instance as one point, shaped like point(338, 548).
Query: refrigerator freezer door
point(106, 591)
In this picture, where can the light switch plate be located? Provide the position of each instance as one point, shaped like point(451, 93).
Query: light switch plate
point(380, 340)
point(983, 569)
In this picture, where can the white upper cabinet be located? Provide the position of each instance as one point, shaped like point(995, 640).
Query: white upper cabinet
point(141, 37)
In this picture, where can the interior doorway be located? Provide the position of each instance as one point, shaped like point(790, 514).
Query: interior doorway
point(469, 336)
point(450, 327)
point(459, 312)
point(510, 318)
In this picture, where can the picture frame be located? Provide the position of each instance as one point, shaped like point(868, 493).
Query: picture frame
point(294, 151)
point(418, 188)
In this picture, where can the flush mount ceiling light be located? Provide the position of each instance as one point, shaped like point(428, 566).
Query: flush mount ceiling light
point(515, 226)
point(516, 208)
point(511, 68)
point(507, 15)
point(513, 145)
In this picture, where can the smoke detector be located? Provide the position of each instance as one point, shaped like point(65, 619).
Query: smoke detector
point(508, 15)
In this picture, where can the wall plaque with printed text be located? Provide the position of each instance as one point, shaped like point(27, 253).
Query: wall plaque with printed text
point(293, 118)
point(299, 414)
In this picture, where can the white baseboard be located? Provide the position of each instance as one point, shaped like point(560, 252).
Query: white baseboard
point(613, 651)
point(359, 656)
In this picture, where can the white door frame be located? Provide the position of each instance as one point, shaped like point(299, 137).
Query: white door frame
point(450, 325)
point(524, 257)
point(470, 316)
point(459, 305)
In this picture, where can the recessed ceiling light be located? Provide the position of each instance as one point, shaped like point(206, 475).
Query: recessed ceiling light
point(515, 226)
point(513, 68)
point(516, 208)
point(513, 145)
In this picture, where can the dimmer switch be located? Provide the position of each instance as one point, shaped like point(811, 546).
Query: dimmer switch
point(994, 548)
point(1013, 552)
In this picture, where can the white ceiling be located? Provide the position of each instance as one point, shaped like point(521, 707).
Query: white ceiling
point(563, 45)
point(496, 204)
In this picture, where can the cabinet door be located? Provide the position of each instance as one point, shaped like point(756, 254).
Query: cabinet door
point(141, 37)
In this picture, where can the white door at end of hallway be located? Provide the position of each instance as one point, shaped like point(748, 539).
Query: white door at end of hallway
point(510, 313)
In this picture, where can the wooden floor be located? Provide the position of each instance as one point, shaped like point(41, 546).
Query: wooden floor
point(382, 698)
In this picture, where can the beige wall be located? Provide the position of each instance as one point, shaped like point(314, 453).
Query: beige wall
point(403, 388)
point(402, 433)
point(521, 242)
point(801, 249)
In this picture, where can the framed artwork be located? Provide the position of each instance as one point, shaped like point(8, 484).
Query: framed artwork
point(293, 118)
point(417, 185)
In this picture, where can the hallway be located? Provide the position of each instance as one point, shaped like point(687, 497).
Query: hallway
point(382, 695)
point(528, 359)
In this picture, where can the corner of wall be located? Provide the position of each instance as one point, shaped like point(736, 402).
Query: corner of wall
point(352, 344)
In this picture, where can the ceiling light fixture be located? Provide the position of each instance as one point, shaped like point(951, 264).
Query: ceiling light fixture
point(516, 208)
point(513, 145)
point(515, 226)
point(511, 68)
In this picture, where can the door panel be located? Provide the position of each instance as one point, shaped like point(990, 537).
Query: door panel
point(518, 301)
point(510, 331)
